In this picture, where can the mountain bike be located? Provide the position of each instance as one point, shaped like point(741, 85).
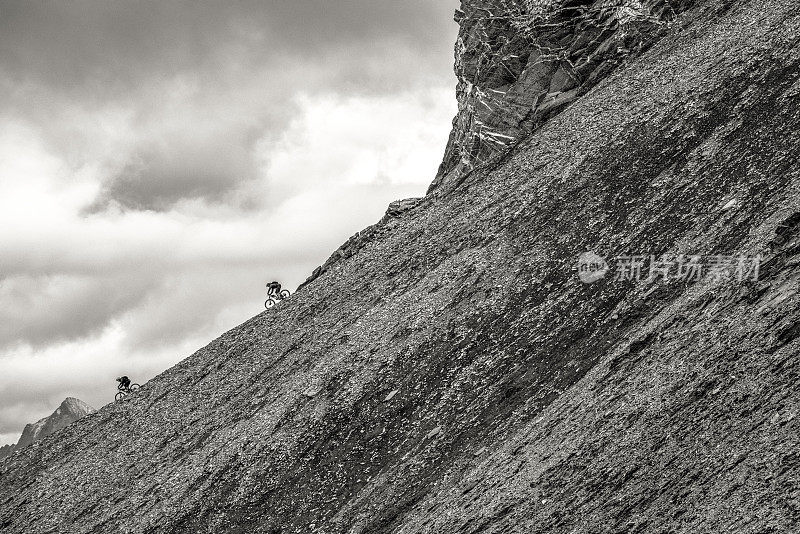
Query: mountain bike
point(274, 299)
point(124, 392)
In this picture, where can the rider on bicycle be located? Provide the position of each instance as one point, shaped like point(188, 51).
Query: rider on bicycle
point(274, 290)
point(124, 383)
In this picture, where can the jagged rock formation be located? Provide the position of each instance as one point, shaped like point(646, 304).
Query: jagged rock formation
point(453, 375)
point(68, 412)
point(519, 62)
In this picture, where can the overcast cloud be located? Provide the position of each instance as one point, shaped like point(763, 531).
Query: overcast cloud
point(161, 161)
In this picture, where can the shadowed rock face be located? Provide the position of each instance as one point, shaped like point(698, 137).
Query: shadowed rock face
point(520, 62)
point(453, 374)
point(68, 412)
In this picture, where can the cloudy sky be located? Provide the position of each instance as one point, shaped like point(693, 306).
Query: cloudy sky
point(160, 161)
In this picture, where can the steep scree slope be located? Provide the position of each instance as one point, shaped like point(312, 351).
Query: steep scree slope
point(454, 375)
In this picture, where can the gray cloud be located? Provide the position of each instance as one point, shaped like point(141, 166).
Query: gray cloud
point(141, 137)
point(41, 311)
point(112, 43)
point(240, 64)
point(157, 176)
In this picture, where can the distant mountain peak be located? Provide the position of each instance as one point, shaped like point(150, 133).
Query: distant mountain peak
point(74, 406)
point(69, 411)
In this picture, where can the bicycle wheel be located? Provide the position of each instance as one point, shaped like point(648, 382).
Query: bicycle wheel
point(134, 387)
point(119, 396)
point(285, 294)
point(269, 303)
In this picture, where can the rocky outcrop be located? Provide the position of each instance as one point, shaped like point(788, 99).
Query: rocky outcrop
point(68, 412)
point(454, 375)
point(399, 207)
point(519, 62)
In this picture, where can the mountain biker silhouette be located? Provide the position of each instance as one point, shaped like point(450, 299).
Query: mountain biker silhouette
point(275, 294)
point(125, 388)
point(274, 289)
